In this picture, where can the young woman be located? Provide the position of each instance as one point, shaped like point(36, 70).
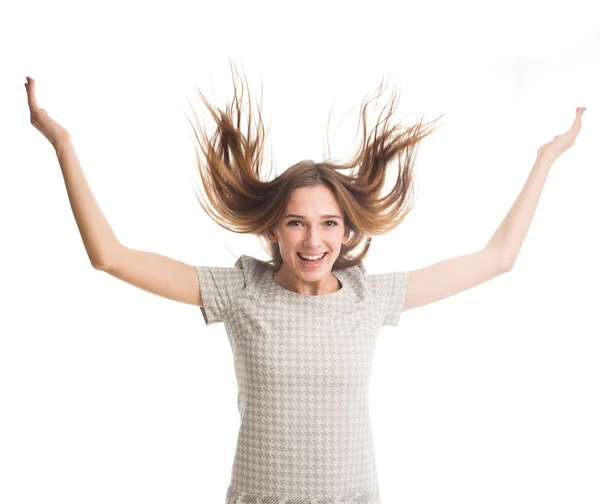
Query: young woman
point(303, 324)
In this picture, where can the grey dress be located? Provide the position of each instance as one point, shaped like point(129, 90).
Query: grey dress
point(303, 367)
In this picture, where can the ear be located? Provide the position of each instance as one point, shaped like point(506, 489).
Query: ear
point(346, 237)
point(271, 235)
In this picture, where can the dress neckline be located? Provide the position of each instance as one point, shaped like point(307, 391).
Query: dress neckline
point(298, 295)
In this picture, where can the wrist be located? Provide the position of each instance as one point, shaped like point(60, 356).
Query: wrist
point(545, 158)
point(62, 143)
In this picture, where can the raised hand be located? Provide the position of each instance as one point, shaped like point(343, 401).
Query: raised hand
point(53, 131)
point(560, 143)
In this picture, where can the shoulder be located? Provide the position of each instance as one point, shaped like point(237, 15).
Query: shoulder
point(354, 278)
point(253, 270)
point(377, 283)
point(357, 271)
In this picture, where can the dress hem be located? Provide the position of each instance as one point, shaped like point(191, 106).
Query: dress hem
point(360, 496)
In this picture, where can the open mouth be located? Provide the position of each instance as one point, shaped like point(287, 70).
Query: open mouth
point(314, 262)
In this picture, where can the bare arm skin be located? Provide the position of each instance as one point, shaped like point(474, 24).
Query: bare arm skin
point(97, 235)
point(457, 274)
point(445, 278)
point(151, 272)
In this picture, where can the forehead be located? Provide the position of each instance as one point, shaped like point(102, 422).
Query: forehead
point(316, 200)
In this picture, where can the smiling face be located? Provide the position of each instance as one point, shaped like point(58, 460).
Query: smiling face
point(312, 224)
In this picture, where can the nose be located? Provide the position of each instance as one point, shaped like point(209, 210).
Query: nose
point(312, 238)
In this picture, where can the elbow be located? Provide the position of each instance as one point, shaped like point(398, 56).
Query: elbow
point(98, 266)
point(507, 265)
point(502, 260)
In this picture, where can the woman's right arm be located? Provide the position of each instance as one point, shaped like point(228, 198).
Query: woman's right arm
point(151, 272)
point(98, 238)
point(156, 274)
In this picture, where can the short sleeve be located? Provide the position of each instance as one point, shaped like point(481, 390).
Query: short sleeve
point(219, 288)
point(390, 291)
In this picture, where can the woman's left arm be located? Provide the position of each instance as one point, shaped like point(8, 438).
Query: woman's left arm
point(457, 274)
point(511, 233)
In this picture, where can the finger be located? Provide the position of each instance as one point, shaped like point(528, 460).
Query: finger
point(577, 122)
point(31, 99)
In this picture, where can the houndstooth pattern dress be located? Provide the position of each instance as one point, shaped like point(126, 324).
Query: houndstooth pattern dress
point(303, 368)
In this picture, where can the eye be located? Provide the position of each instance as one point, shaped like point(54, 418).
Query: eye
point(334, 223)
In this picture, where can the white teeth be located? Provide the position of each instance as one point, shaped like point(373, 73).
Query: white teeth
point(311, 258)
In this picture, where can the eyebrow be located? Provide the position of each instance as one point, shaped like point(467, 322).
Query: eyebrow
point(322, 216)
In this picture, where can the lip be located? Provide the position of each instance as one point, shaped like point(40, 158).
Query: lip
point(313, 266)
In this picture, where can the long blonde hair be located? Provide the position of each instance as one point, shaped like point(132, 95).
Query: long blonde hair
point(242, 201)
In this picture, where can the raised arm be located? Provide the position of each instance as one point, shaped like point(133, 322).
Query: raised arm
point(457, 274)
point(151, 272)
point(97, 235)
point(512, 231)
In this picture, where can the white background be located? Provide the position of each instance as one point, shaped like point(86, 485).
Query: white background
point(111, 394)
